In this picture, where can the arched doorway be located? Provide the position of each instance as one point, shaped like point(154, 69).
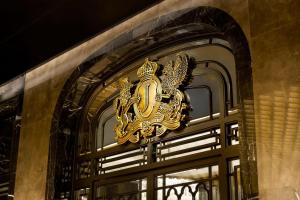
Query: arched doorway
point(203, 157)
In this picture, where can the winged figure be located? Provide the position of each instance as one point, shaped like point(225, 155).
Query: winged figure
point(122, 105)
point(174, 74)
point(155, 106)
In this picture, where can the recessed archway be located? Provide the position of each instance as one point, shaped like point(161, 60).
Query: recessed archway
point(176, 28)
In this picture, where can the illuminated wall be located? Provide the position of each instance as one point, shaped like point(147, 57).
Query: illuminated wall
point(272, 30)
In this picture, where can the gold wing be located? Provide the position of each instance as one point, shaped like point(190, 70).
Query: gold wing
point(174, 74)
point(125, 94)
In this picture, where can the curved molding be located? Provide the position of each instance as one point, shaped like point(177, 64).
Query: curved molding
point(174, 28)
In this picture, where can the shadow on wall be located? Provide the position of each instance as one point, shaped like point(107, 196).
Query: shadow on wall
point(278, 143)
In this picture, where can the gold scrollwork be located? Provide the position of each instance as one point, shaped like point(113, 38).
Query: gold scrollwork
point(156, 104)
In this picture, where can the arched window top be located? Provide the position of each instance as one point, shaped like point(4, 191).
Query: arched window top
point(211, 129)
point(210, 93)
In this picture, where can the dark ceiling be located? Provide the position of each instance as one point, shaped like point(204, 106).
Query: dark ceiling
point(34, 31)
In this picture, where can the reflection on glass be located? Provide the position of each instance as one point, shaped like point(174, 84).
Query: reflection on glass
point(235, 179)
point(193, 184)
point(135, 190)
point(199, 97)
point(108, 131)
point(105, 134)
point(203, 93)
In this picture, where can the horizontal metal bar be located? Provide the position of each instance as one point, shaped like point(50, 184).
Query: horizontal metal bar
point(124, 164)
point(190, 149)
point(212, 135)
point(212, 155)
point(189, 130)
point(231, 151)
point(109, 152)
point(188, 183)
point(122, 157)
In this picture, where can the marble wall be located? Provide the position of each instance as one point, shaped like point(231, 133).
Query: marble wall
point(275, 48)
point(272, 29)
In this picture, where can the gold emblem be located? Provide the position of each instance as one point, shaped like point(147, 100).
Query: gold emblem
point(154, 105)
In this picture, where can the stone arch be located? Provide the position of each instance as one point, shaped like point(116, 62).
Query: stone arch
point(181, 25)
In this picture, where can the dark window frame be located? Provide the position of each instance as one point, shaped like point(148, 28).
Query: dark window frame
point(201, 22)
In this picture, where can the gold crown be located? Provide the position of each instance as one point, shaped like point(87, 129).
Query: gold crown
point(147, 70)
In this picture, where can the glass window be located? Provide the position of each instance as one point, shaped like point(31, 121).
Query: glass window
point(135, 190)
point(200, 143)
point(105, 133)
point(197, 109)
point(235, 179)
point(193, 184)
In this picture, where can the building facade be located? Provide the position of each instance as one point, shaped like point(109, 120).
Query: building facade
point(240, 95)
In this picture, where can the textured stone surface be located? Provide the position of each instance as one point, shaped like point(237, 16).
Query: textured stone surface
point(44, 84)
point(269, 15)
point(275, 54)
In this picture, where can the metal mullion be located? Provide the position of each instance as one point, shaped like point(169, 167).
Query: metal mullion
point(151, 153)
point(210, 183)
point(74, 164)
point(223, 177)
point(140, 188)
point(164, 186)
point(210, 97)
point(235, 175)
point(223, 163)
point(94, 191)
point(151, 187)
point(102, 138)
point(94, 161)
point(91, 193)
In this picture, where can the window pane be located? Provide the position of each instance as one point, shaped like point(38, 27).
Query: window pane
point(121, 161)
point(126, 190)
point(200, 102)
point(109, 134)
point(204, 93)
point(232, 134)
point(105, 133)
point(196, 184)
point(235, 179)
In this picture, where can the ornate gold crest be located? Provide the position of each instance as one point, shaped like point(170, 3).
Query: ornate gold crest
point(154, 105)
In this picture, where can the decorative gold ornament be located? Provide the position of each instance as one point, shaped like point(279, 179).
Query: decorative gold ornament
point(156, 104)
